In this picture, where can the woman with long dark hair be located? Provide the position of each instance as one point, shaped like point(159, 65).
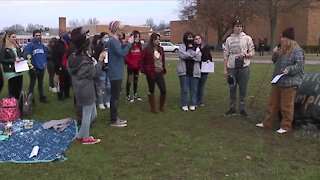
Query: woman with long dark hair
point(152, 64)
point(9, 54)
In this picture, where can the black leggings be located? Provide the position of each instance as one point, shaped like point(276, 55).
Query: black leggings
point(159, 79)
point(15, 86)
point(135, 74)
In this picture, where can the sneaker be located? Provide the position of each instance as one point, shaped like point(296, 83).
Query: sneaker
point(101, 106)
point(243, 113)
point(79, 138)
point(108, 105)
point(129, 99)
point(281, 131)
point(260, 125)
point(136, 98)
point(230, 112)
point(90, 140)
point(54, 90)
point(185, 108)
point(118, 124)
point(122, 121)
point(192, 108)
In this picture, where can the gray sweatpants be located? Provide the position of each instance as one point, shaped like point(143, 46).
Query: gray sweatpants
point(242, 78)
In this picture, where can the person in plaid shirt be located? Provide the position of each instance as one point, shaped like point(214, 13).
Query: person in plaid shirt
point(152, 64)
point(289, 60)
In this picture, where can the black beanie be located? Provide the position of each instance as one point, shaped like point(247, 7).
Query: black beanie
point(288, 33)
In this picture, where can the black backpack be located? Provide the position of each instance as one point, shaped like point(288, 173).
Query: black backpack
point(25, 103)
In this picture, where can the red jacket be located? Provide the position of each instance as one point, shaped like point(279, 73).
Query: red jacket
point(146, 63)
point(133, 56)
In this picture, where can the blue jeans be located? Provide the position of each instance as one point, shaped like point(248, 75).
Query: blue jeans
point(191, 83)
point(104, 87)
point(202, 82)
point(89, 113)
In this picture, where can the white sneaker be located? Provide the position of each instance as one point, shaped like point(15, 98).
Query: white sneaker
point(260, 125)
point(192, 108)
point(108, 105)
point(185, 108)
point(101, 106)
point(281, 131)
point(54, 89)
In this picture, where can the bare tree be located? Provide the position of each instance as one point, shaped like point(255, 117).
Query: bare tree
point(31, 27)
point(276, 7)
point(17, 28)
point(150, 23)
point(162, 25)
point(74, 23)
point(93, 21)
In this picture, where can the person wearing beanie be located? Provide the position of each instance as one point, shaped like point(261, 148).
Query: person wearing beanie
point(103, 77)
point(238, 51)
point(116, 55)
point(84, 70)
point(37, 53)
point(133, 68)
point(288, 60)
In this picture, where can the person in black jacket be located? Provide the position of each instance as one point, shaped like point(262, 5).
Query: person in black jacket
point(9, 54)
point(206, 56)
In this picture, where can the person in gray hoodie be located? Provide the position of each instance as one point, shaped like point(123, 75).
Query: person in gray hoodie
point(84, 70)
point(238, 51)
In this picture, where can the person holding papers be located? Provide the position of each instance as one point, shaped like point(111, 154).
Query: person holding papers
point(10, 54)
point(205, 58)
point(288, 60)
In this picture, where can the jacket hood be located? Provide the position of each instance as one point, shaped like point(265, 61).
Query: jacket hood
point(75, 62)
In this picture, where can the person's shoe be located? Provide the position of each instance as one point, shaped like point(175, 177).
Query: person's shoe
point(122, 121)
point(79, 138)
point(101, 106)
point(118, 124)
point(185, 108)
point(91, 140)
point(129, 99)
point(192, 108)
point(201, 104)
point(230, 112)
point(108, 105)
point(281, 131)
point(243, 113)
point(136, 98)
point(54, 90)
point(260, 125)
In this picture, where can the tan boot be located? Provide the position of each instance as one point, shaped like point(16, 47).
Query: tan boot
point(152, 103)
point(162, 101)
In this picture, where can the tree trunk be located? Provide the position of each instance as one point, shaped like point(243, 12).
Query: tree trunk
point(273, 13)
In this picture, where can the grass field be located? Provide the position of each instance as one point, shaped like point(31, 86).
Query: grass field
point(177, 144)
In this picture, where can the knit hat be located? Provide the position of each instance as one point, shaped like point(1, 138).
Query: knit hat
point(115, 25)
point(288, 33)
point(236, 22)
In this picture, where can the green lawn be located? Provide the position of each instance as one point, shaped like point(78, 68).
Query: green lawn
point(177, 144)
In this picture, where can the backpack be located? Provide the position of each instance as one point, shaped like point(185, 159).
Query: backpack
point(25, 103)
point(9, 109)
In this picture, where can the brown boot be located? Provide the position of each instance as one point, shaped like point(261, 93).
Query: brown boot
point(152, 103)
point(162, 101)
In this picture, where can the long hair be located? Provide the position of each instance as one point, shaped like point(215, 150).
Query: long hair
point(7, 35)
point(134, 34)
point(287, 48)
point(151, 46)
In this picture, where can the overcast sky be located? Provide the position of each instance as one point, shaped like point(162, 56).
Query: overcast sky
point(47, 12)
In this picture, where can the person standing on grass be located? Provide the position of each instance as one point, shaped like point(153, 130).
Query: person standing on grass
point(84, 70)
point(205, 57)
point(152, 64)
point(36, 52)
point(188, 70)
point(10, 53)
point(50, 64)
point(103, 79)
point(116, 55)
point(289, 60)
point(133, 68)
point(239, 49)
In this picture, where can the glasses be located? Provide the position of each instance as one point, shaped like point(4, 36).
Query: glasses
point(197, 39)
point(238, 25)
point(37, 35)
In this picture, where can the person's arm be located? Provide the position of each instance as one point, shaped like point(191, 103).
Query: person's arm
point(142, 60)
point(3, 59)
point(118, 50)
point(250, 53)
point(28, 52)
point(163, 61)
point(298, 66)
point(225, 58)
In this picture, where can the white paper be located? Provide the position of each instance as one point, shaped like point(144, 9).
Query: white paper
point(106, 60)
point(21, 66)
point(276, 78)
point(207, 67)
point(34, 151)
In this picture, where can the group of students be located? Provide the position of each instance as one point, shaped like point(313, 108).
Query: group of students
point(103, 67)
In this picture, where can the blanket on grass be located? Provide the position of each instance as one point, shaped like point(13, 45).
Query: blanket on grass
point(51, 144)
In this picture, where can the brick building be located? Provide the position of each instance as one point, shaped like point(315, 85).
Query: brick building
point(306, 23)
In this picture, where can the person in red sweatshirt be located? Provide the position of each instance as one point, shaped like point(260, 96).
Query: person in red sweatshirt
point(133, 68)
